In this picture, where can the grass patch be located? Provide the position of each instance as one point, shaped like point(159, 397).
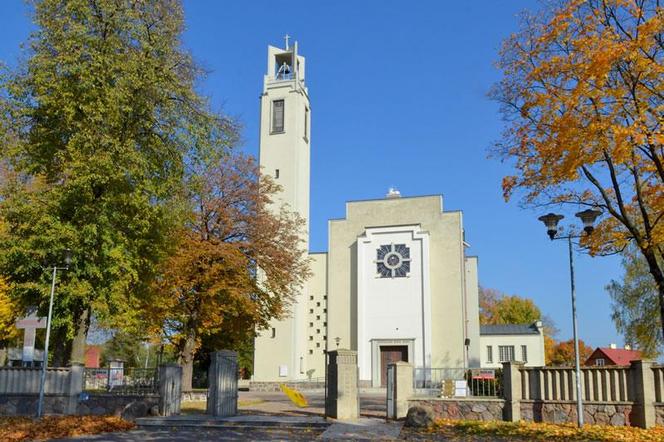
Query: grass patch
point(544, 431)
point(13, 429)
point(193, 407)
point(250, 402)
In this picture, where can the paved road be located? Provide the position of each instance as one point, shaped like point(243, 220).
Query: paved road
point(371, 427)
point(199, 434)
point(371, 404)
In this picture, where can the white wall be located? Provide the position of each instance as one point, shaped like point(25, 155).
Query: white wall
point(472, 311)
point(393, 308)
point(534, 344)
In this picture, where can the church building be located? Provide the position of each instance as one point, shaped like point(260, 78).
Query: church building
point(396, 282)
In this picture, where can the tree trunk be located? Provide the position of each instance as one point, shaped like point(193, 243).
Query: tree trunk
point(658, 275)
point(78, 344)
point(59, 347)
point(186, 360)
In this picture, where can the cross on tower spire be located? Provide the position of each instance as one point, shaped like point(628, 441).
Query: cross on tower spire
point(287, 37)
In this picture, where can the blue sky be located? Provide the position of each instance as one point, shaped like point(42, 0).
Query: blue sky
point(399, 98)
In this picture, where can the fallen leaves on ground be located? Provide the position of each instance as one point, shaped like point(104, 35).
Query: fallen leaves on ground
point(14, 429)
point(546, 431)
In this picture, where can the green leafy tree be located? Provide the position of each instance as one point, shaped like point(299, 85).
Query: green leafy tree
point(98, 126)
point(635, 306)
point(499, 308)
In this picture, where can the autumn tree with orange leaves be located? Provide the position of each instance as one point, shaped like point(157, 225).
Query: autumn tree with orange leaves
point(562, 353)
point(582, 96)
point(210, 286)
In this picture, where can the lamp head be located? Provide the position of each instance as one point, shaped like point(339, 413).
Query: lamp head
point(588, 218)
point(67, 257)
point(551, 220)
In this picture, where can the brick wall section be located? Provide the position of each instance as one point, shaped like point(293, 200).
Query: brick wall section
point(26, 404)
point(615, 414)
point(96, 404)
point(471, 409)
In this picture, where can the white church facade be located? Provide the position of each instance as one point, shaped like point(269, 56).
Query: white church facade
point(396, 282)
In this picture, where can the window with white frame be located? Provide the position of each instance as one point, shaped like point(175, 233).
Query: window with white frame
point(489, 353)
point(600, 362)
point(524, 353)
point(506, 353)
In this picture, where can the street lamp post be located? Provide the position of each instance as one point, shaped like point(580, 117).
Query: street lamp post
point(551, 220)
point(42, 381)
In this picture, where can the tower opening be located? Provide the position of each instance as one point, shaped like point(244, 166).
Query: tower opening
point(284, 66)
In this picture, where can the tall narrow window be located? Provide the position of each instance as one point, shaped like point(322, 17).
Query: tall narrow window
point(278, 116)
point(276, 176)
point(506, 353)
point(489, 353)
point(306, 123)
point(274, 333)
point(524, 353)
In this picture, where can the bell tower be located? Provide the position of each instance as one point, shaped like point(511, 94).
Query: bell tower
point(284, 152)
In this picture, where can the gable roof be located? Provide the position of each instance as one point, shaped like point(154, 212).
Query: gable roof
point(615, 356)
point(509, 329)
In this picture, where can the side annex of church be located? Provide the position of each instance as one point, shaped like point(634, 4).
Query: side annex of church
point(396, 282)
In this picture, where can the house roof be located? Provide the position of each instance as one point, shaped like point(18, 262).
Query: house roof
point(615, 356)
point(509, 329)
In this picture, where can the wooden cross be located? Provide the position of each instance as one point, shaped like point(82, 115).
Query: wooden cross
point(30, 324)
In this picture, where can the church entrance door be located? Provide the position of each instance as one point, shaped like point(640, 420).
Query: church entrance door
point(391, 353)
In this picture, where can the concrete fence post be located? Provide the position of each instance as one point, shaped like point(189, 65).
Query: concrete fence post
point(222, 383)
point(399, 389)
point(75, 388)
point(342, 399)
point(512, 390)
point(170, 389)
point(643, 387)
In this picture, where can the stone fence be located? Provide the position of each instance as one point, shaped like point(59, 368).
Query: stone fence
point(64, 394)
point(630, 395)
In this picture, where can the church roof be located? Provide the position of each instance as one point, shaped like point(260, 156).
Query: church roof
point(509, 329)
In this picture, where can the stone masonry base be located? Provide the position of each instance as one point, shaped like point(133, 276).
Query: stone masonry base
point(469, 409)
point(598, 413)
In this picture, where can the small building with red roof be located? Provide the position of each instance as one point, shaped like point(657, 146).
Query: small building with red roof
point(613, 356)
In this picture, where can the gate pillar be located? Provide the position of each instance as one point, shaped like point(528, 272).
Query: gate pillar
point(170, 389)
point(342, 398)
point(222, 383)
point(399, 389)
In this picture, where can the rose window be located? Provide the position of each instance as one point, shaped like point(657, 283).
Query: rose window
point(393, 261)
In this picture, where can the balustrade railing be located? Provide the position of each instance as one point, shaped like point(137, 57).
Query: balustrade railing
point(598, 384)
